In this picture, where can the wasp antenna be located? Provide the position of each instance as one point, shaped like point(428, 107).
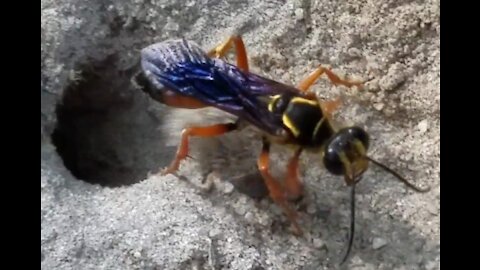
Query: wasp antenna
point(398, 176)
point(352, 224)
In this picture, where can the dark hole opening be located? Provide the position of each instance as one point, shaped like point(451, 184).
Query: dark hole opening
point(105, 132)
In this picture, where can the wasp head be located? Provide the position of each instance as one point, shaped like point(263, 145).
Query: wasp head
point(346, 153)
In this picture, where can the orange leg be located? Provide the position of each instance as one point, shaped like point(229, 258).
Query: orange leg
point(241, 53)
point(209, 131)
point(330, 106)
point(305, 84)
point(293, 186)
point(277, 193)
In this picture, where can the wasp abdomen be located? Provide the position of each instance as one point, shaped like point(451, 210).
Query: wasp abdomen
point(170, 54)
point(166, 63)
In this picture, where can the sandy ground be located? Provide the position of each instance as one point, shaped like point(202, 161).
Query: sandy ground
point(101, 210)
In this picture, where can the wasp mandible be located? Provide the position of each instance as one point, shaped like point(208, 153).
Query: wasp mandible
point(180, 74)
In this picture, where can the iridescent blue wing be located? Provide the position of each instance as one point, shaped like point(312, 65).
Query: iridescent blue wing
point(182, 67)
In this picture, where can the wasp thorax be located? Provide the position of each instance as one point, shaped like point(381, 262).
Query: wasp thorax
point(345, 153)
point(279, 103)
point(303, 118)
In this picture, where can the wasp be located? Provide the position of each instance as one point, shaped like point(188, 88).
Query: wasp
point(180, 74)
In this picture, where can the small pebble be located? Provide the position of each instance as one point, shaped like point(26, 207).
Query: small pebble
point(311, 209)
point(378, 243)
point(214, 233)
point(241, 210)
point(294, 240)
point(389, 112)
point(378, 106)
point(270, 12)
point(264, 220)
point(431, 265)
point(372, 86)
point(423, 126)
point(394, 77)
point(171, 26)
point(228, 187)
point(318, 243)
point(354, 52)
point(249, 216)
point(298, 13)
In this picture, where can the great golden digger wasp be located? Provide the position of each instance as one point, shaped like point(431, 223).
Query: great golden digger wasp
point(180, 74)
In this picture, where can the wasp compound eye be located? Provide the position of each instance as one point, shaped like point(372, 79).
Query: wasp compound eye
point(359, 134)
point(345, 142)
point(332, 162)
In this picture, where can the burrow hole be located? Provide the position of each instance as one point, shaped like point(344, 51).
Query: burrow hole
point(105, 131)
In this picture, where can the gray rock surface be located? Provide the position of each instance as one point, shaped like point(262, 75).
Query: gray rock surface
point(111, 136)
